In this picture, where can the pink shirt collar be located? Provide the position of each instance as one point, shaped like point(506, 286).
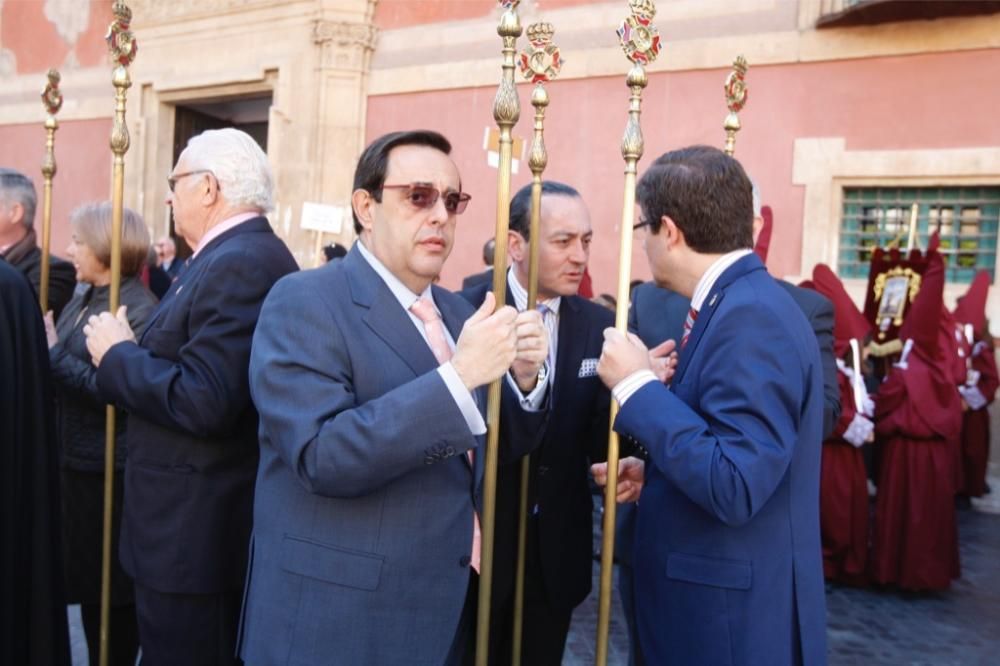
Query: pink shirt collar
point(223, 227)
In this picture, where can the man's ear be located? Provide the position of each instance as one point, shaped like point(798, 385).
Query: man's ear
point(362, 203)
point(674, 235)
point(16, 210)
point(517, 247)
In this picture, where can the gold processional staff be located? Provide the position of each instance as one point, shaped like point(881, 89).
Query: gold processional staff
point(506, 111)
point(122, 46)
point(641, 43)
point(735, 88)
point(540, 63)
point(52, 100)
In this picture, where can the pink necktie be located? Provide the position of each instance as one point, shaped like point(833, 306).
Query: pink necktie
point(427, 313)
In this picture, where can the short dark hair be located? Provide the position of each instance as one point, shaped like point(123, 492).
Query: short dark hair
point(334, 251)
point(370, 172)
point(520, 205)
point(707, 195)
point(489, 251)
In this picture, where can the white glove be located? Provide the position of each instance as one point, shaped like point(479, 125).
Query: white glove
point(859, 431)
point(973, 397)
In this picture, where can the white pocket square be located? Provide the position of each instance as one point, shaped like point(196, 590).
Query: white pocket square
point(588, 368)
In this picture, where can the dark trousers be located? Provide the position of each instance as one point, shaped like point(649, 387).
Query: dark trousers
point(545, 626)
point(123, 634)
point(190, 629)
point(465, 635)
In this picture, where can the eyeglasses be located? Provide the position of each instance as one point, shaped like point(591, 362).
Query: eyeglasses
point(641, 224)
point(172, 180)
point(422, 197)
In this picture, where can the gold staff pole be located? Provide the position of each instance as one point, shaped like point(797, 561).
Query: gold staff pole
point(736, 96)
point(641, 43)
point(506, 111)
point(52, 99)
point(540, 63)
point(122, 46)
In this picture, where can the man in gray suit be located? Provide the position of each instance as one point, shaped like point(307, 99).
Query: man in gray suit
point(366, 532)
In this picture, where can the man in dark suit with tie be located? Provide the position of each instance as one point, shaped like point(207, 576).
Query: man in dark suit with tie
point(727, 556)
point(370, 383)
point(192, 429)
point(560, 522)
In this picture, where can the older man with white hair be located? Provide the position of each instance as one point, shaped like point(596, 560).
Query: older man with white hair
point(192, 430)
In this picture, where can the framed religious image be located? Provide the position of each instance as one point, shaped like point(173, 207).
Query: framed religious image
point(893, 298)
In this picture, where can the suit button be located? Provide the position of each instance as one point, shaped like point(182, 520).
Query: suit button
point(464, 561)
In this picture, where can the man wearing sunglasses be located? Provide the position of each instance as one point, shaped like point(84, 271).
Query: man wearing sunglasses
point(370, 384)
point(192, 429)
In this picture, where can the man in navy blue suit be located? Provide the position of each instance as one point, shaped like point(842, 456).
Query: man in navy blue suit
point(727, 556)
point(370, 384)
point(192, 429)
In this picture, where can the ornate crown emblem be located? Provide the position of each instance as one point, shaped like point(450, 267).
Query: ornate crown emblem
point(540, 61)
point(121, 41)
point(639, 37)
point(735, 85)
point(51, 97)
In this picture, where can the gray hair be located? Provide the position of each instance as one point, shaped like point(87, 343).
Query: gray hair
point(18, 188)
point(238, 163)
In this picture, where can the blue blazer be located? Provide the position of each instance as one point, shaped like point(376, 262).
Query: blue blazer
point(192, 430)
point(363, 514)
point(727, 560)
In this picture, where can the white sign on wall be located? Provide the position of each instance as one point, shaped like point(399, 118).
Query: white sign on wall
point(323, 217)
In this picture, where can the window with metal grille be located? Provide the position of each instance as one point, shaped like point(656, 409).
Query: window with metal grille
point(968, 218)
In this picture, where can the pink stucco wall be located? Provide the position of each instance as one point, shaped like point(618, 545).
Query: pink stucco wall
point(914, 102)
point(83, 162)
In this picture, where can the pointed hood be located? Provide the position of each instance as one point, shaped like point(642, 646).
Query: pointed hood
point(848, 321)
point(971, 308)
point(923, 320)
point(763, 243)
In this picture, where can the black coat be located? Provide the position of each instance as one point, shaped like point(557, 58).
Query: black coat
point(81, 413)
point(62, 278)
point(576, 434)
point(33, 626)
point(192, 431)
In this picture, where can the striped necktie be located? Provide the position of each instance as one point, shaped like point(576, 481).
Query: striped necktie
point(688, 325)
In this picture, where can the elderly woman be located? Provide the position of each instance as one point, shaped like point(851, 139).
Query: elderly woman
point(81, 421)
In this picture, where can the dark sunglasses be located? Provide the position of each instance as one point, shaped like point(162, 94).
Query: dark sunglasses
point(423, 197)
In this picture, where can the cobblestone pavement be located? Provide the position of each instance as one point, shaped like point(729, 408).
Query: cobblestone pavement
point(958, 627)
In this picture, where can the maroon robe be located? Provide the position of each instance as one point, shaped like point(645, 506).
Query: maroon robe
point(976, 426)
point(918, 416)
point(844, 499)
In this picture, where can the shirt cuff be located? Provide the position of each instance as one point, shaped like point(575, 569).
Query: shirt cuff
point(536, 398)
point(463, 398)
point(624, 389)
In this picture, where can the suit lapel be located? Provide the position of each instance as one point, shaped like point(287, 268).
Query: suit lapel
point(743, 266)
point(574, 331)
point(385, 316)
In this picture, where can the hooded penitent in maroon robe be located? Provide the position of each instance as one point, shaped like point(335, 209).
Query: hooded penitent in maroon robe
point(843, 481)
point(918, 416)
point(978, 388)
